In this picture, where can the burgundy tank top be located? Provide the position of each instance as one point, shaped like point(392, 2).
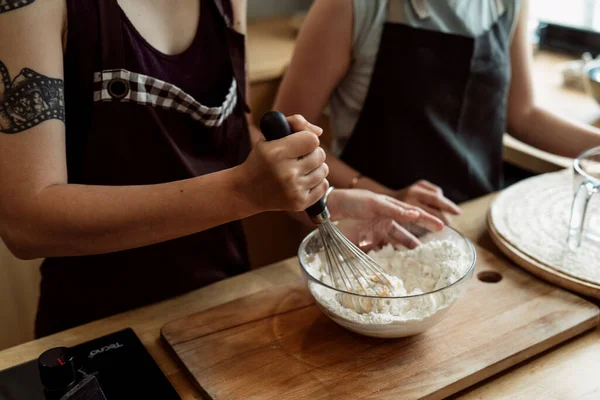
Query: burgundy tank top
point(136, 116)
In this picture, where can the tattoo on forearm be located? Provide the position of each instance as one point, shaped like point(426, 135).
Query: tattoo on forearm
point(29, 100)
point(9, 5)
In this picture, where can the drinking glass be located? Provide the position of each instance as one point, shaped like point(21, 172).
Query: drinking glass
point(586, 184)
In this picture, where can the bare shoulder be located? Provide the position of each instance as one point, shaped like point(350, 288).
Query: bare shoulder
point(239, 8)
point(31, 16)
point(342, 6)
point(12, 5)
point(329, 17)
point(29, 8)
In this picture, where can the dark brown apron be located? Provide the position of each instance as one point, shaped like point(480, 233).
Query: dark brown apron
point(114, 138)
point(435, 110)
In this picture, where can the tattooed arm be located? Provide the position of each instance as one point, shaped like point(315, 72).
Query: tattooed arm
point(28, 100)
point(42, 215)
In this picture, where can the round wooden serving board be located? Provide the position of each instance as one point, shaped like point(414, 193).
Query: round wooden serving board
point(540, 269)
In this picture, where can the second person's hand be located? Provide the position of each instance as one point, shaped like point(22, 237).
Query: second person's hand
point(286, 174)
point(422, 194)
point(430, 198)
point(371, 219)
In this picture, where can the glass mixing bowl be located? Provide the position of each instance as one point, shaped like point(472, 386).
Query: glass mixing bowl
point(436, 303)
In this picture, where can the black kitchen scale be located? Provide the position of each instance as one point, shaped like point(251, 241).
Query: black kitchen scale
point(121, 364)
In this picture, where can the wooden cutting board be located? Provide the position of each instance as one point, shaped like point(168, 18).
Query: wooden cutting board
point(277, 344)
point(538, 268)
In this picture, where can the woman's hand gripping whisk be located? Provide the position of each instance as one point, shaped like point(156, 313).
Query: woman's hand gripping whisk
point(348, 266)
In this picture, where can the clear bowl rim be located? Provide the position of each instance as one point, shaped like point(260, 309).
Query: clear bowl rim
point(581, 157)
point(455, 283)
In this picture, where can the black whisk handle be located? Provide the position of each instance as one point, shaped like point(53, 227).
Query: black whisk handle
point(274, 126)
point(316, 209)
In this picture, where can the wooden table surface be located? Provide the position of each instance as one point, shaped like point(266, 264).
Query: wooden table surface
point(567, 372)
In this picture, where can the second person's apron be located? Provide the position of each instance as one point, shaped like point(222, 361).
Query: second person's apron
point(435, 110)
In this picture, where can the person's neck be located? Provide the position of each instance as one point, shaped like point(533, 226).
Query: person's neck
point(167, 25)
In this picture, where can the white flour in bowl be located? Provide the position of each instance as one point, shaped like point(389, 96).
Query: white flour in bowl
point(431, 266)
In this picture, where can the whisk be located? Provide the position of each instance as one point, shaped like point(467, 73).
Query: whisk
point(350, 269)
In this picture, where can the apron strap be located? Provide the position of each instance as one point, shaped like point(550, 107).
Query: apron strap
point(226, 16)
point(421, 8)
point(396, 10)
point(236, 49)
point(499, 8)
point(111, 34)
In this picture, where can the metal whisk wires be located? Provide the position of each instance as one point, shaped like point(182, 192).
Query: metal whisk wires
point(349, 267)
